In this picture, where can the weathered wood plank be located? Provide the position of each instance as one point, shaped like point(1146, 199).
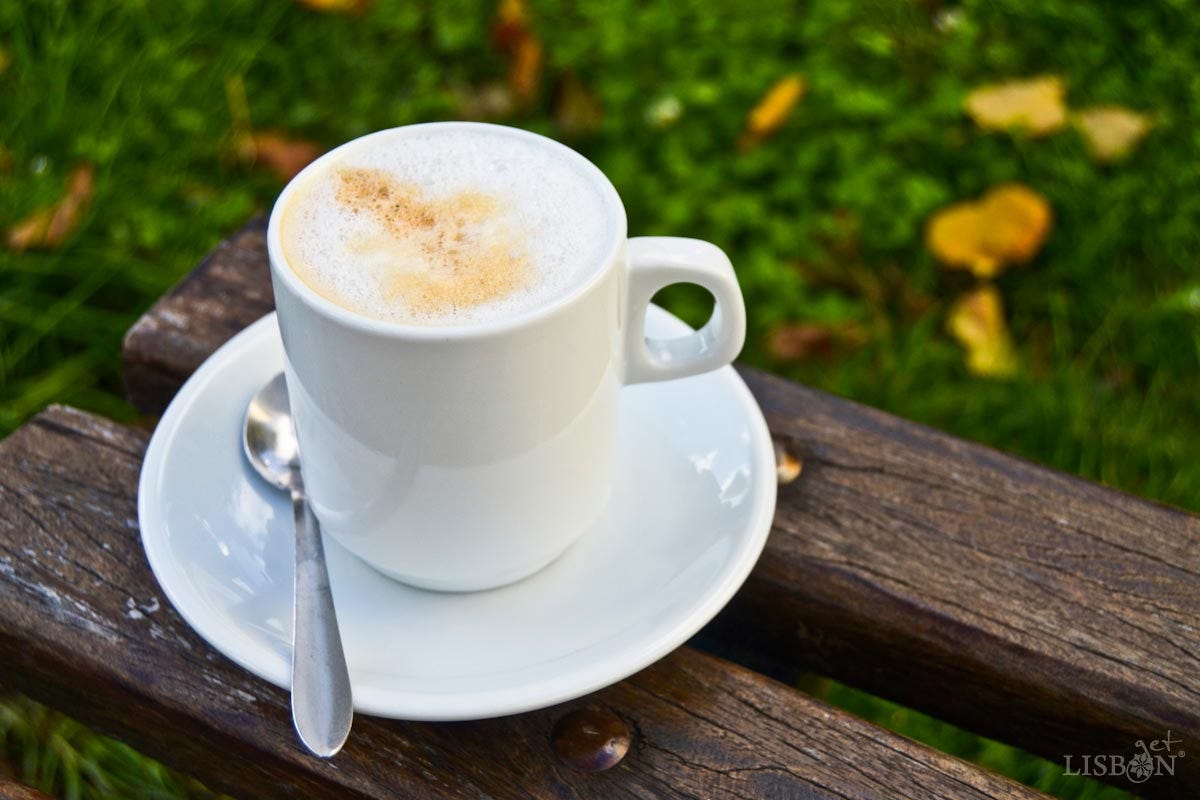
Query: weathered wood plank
point(1018, 601)
point(11, 790)
point(1011, 599)
point(72, 568)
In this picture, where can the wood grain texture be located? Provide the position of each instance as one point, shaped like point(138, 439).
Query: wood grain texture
point(72, 572)
point(1020, 602)
point(11, 790)
point(1012, 599)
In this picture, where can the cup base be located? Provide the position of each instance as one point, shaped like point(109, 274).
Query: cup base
point(479, 584)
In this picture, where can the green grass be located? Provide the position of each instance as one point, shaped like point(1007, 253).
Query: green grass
point(824, 221)
point(46, 749)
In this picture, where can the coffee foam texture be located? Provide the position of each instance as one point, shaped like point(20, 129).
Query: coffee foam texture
point(445, 227)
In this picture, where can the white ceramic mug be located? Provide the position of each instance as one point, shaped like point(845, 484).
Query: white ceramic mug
point(462, 457)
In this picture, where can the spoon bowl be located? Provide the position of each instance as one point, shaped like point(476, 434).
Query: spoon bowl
point(269, 438)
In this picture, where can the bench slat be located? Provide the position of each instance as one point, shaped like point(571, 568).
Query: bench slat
point(11, 790)
point(1018, 601)
point(83, 627)
point(1014, 600)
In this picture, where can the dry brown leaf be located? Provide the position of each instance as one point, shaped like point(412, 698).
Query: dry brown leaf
point(525, 70)
point(797, 341)
point(1110, 132)
point(279, 152)
point(6, 159)
point(511, 25)
point(337, 6)
point(514, 38)
point(1006, 226)
point(773, 110)
point(49, 227)
point(976, 320)
point(577, 109)
point(5, 59)
point(1034, 105)
point(490, 101)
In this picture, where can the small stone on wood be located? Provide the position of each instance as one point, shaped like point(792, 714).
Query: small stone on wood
point(591, 739)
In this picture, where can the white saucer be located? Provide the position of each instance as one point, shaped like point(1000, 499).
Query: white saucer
point(691, 509)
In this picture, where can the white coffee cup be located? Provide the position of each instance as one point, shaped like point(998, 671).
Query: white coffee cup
point(464, 457)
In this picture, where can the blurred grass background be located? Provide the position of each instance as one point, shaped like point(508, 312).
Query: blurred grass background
point(824, 220)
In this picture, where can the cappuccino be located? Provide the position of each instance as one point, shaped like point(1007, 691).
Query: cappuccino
point(445, 227)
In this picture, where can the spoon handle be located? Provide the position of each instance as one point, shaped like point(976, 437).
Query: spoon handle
point(322, 707)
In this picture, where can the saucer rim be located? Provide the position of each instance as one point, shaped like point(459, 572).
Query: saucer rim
point(453, 704)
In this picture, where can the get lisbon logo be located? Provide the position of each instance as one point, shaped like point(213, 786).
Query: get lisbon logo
point(1149, 760)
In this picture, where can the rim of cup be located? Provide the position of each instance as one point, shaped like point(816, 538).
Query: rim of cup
point(281, 271)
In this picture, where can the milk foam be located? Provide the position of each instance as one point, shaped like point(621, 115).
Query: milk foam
point(445, 227)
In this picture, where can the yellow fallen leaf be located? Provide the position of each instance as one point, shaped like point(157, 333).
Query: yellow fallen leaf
point(1034, 105)
point(337, 6)
point(514, 38)
point(279, 152)
point(1110, 132)
point(1006, 226)
point(954, 236)
point(976, 320)
point(773, 110)
point(48, 227)
point(1016, 220)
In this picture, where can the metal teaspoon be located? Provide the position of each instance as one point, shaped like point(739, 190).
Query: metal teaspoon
point(322, 709)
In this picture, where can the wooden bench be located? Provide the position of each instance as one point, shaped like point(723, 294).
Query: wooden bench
point(11, 790)
point(1019, 602)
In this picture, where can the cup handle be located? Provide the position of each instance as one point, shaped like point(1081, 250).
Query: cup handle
point(659, 261)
